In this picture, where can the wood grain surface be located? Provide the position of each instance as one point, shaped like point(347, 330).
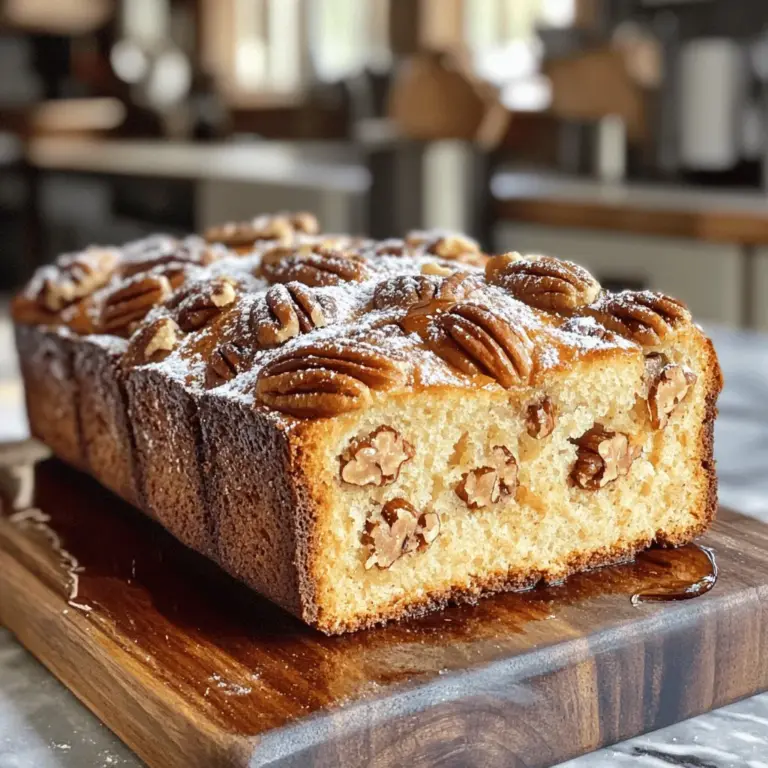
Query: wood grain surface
point(191, 669)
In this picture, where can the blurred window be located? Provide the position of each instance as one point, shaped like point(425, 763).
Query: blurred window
point(502, 34)
point(347, 35)
point(506, 49)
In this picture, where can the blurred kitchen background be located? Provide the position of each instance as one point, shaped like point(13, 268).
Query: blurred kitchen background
point(628, 135)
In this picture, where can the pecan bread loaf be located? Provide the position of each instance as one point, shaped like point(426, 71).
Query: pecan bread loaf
point(366, 430)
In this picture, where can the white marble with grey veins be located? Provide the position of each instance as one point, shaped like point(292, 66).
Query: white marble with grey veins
point(43, 726)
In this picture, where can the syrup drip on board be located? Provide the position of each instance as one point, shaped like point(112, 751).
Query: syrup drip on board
point(703, 579)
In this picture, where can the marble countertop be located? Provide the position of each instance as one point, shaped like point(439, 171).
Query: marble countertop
point(43, 726)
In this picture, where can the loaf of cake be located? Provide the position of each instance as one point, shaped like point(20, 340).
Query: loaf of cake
point(367, 430)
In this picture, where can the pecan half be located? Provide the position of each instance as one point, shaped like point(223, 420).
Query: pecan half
point(449, 246)
point(486, 485)
point(76, 276)
point(400, 531)
point(436, 270)
point(225, 363)
point(668, 389)
point(282, 227)
point(540, 421)
point(588, 326)
point(392, 247)
point(544, 282)
point(376, 459)
point(644, 317)
point(485, 343)
point(325, 379)
point(315, 266)
point(460, 286)
point(126, 305)
point(153, 343)
point(165, 251)
point(287, 311)
point(602, 457)
point(204, 301)
point(403, 292)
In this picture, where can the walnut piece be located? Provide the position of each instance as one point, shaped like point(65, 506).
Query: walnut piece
point(325, 378)
point(602, 457)
point(670, 387)
point(287, 311)
point(76, 276)
point(486, 485)
point(128, 303)
point(377, 459)
point(400, 531)
point(540, 419)
point(204, 302)
point(153, 343)
point(544, 282)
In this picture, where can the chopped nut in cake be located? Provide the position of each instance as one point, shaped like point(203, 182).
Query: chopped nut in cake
point(669, 388)
point(602, 457)
point(377, 459)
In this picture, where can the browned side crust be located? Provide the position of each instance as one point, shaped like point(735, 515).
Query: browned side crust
point(167, 437)
point(107, 436)
point(50, 389)
point(261, 516)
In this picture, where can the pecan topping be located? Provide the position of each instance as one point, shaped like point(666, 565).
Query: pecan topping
point(436, 270)
point(377, 459)
point(403, 291)
point(325, 379)
point(486, 485)
point(282, 227)
point(544, 282)
point(588, 326)
point(314, 266)
point(400, 531)
point(460, 286)
point(451, 247)
point(602, 457)
point(483, 342)
point(541, 419)
point(126, 305)
point(668, 390)
point(226, 362)
point(75, 276)
point(287, 311)
point(641, 316)
point(392, 247)
point(153, 343)
point(204, 302)
point(164, 251)
point(497, 264)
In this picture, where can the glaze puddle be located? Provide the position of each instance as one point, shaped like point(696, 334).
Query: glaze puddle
point(703, 579)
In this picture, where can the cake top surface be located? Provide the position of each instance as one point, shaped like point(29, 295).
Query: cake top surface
point(311, 325)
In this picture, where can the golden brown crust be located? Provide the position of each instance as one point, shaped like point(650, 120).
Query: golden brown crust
point(211, 492)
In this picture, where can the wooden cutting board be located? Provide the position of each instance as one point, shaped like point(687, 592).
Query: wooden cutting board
point(191, 669)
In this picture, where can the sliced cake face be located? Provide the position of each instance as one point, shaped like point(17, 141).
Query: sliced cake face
point(364, 430)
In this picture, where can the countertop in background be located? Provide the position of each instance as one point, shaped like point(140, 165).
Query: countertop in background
point(43, 726)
